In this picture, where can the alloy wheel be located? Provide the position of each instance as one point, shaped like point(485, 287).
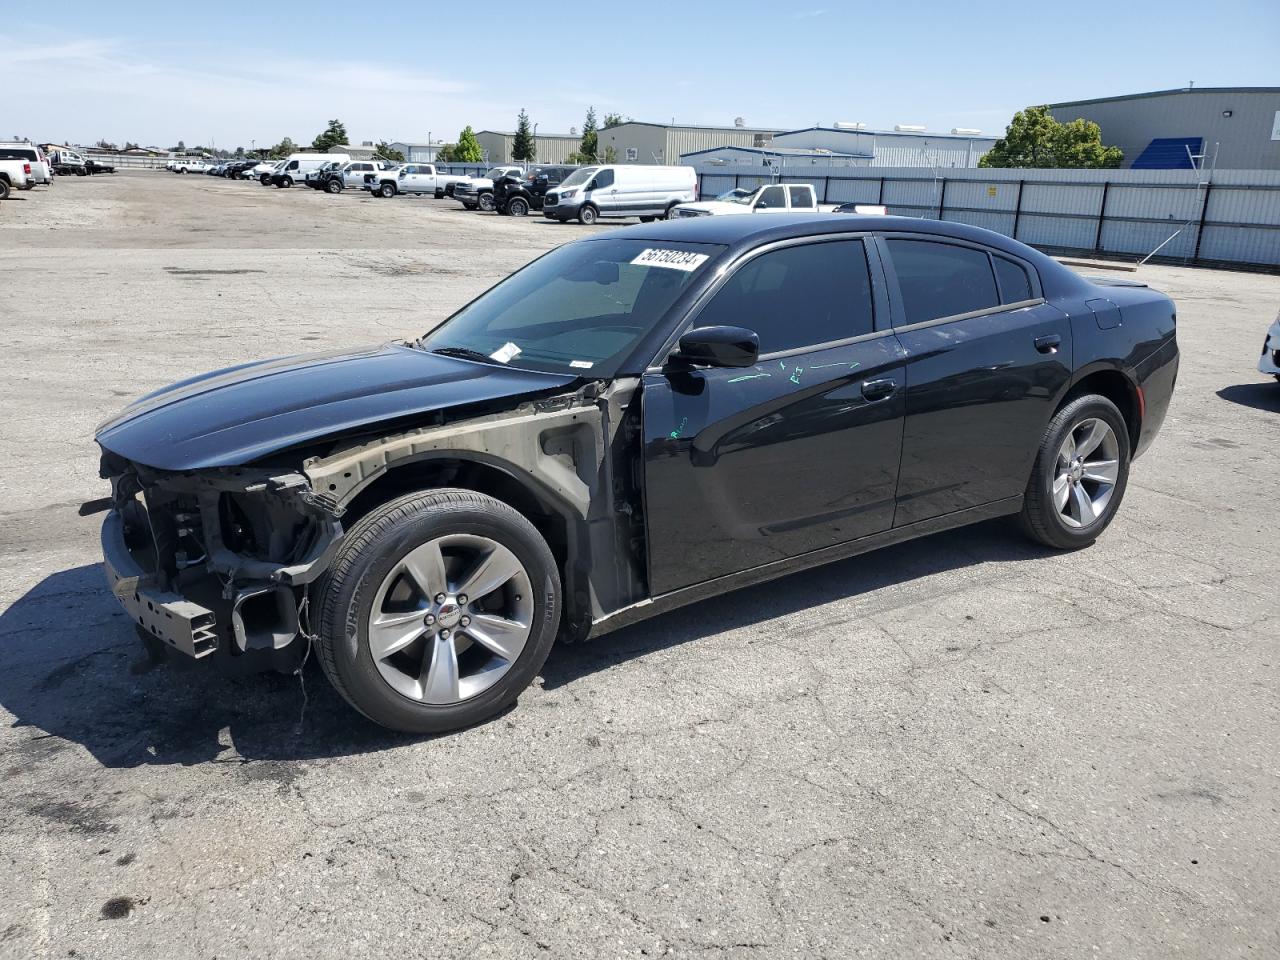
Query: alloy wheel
point(1086, 472)
point(450, 618)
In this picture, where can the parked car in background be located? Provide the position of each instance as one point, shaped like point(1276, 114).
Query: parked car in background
point(1270, 360)
point(628, 424)
point(315, 179)
point(476, 193)
point(189, 165)
point(413, 178)
point(516, 195)
point(259, 170)
point(629, 190)
point(41, 165)
point(92, 166)
point(352, 174)
point(68, 163)
point(769, 198)
point(297, 165)
point(15, 175)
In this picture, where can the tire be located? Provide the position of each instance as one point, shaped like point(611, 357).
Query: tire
point(666, 214)
point(287, 182)
point(486, 202)
point(588, 215)
point(439, 194)
point(4, 189)
point(334, 186)
point(394, 689)
point(1064, 521)
point(518, 207)
point(182, 171)
point(387, 190)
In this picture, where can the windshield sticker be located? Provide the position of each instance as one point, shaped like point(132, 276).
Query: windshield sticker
point(505, 353)
point(581, 364)
point(671, 259)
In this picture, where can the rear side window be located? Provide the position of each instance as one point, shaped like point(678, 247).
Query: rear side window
point(942, 279)
point(798, 296)
point(801, 198)
point(1015, 284)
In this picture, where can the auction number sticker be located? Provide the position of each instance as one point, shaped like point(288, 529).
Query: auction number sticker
point(671, 259)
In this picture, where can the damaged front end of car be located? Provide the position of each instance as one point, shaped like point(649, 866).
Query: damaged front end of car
point(215, 563)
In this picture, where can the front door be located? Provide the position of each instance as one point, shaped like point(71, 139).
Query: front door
point(744, 467)
point(986, 360)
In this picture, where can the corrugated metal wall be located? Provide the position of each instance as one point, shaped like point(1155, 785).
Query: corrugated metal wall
point(1231, 217)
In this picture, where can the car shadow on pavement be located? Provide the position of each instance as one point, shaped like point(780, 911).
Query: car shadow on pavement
point(74, 668)
point(1260, 396)
point(995, 541)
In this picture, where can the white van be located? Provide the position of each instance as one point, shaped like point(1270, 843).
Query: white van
point(630, 190)
point(41, 166)
point(296, 166)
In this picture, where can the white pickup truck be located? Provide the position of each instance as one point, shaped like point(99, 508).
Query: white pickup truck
point(410, 178)
point(15, 175)
point(770, 198)
point(477, 192)
point(187, 165)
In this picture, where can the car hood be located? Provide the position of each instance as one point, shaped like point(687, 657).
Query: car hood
point(716, 206)
point(234, 416)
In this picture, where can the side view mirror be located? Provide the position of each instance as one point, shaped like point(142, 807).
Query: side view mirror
point(591, 185)
point(718, 347)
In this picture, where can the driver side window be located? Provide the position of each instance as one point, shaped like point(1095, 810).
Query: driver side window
point(604, 179)
point(772, 198)
point(798, 296)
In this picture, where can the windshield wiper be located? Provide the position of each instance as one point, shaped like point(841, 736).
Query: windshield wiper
point(466, 353)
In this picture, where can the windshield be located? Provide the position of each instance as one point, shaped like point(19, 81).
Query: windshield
point(495, 173)
point(579, 177)
point(743, 196)
point(582, 307)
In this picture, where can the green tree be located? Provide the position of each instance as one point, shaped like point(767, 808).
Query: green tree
point(524, 147)
point(283, 149)
point(615, 120)
point(332, 135)
point(468, 147)
point(590, 137)
point(445, 153)
point(180, 148)
point(384, 150)
point(610, 155)
point(1036, 139)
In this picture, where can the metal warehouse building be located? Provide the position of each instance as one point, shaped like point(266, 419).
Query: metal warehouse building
point(549, 147)
point(1230, 128)
point(639, 142)
point(896, 148)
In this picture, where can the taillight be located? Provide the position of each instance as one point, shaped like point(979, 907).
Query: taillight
point(26, 168)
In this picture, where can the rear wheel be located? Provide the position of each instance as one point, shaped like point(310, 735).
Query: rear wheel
point(387, 190)
point(1079, 476)
point(667, 214)
point(4, 189)
point(647, 219)
point(588, 215)
point(486, 202)
point(518, 207)
point(439, 610)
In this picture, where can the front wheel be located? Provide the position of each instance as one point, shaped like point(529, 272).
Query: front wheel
point(518, 207)
point(1080, 474)
point(439, 610)
point(588, 215)
point(387, 190)
point(287, 182)
point(334, 186)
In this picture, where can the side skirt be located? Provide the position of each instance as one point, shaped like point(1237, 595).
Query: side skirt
point(815, 558)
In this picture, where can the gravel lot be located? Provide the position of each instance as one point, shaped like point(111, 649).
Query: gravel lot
point(960, 747)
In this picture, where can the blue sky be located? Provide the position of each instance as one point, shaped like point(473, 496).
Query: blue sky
point(257, 71)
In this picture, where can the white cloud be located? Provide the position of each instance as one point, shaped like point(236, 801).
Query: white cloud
point(85, 89)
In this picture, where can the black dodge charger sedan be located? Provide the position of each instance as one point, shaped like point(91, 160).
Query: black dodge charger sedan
point(630, 423)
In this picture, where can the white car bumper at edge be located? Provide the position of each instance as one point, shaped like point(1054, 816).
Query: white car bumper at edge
point(1270, 361)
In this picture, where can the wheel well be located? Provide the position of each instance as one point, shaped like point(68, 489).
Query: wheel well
point(1117, 388)
point(469, 475)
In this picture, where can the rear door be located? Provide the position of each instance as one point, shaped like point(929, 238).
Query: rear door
point(744, 467)
point(986, 358)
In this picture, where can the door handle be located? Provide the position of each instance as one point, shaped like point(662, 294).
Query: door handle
point(1048, 344)
point(875, 390)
